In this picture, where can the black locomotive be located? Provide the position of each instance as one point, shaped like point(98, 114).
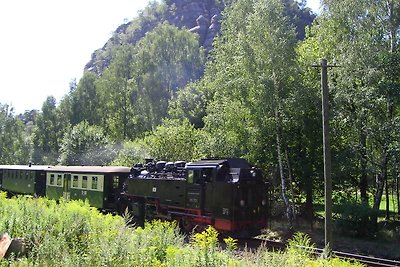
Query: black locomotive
point(228, 194)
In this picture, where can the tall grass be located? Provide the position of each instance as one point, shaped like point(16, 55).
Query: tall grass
point(74, 234)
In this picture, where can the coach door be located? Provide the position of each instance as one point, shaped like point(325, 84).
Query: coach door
point(67, 186)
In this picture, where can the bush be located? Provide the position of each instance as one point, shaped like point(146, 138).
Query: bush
point(75, 234)
point(354, 218)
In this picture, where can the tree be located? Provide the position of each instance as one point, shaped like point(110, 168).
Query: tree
point(190, 103)
point(84, 100)
point(47, 134)
point(230, 130)
point(167, 59)
point(86, 145)
point(254, 71)
point(173, 140)
point(118, 96)
point(299, 16)
point(365, 88)
point(14, 144)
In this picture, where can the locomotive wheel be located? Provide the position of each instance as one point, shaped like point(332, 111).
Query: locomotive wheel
point(186, 224)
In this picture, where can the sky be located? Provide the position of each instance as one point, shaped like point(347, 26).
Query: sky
point(45, 44)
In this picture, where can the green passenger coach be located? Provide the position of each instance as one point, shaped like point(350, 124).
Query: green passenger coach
point(100, 185)
point(23, 179)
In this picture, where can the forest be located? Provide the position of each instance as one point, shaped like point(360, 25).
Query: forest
point(255, 95)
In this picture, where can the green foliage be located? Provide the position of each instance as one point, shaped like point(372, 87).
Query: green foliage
point(163, 236)
point(131, 153)
point(189, 103)
point(74, 234)
point(299, 16)
point(118, 96)
point(224, 135)
point(167, 59)
point(85, 100)
point(231, 244)
point(364, 90)
point(87, 145)
point(355, 218)
point(47, 134)
point(300, 245)
point(173, 140)
point(207, 242)
point(134, 91)
point(15, 146)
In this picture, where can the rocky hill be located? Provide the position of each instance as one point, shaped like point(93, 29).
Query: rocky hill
point(199, 16)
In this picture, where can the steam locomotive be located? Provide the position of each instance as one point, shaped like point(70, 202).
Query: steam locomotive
point(228, 194)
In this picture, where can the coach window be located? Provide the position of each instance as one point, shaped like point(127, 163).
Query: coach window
point(115, 181)
point(190, 176)
point(84, 181)
point(75, 181)
point(51, 179)
point(59, 180)
point(32, 174)
point(94, 182)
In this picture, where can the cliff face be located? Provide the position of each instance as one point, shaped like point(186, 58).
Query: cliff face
point(198, 16)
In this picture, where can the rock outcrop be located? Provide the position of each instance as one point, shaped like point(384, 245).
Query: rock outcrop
point(199, 16)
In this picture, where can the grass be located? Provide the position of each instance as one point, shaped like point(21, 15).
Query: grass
point(392, 204)
point(74, 234)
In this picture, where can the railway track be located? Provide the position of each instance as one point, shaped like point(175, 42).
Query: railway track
point(253, 243)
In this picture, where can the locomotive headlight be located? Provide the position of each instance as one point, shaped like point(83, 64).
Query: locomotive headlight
point(263, 202)
point(242, 203)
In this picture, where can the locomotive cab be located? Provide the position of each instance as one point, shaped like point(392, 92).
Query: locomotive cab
point(229, 190)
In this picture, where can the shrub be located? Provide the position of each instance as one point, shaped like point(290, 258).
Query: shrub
point(354, 218)
point(75, 234)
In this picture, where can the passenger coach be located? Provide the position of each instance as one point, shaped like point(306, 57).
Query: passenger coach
point(23, 179)
point(100, 185)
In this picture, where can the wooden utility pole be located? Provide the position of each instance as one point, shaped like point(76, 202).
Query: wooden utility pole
point(327, 153)
point(326, 150)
